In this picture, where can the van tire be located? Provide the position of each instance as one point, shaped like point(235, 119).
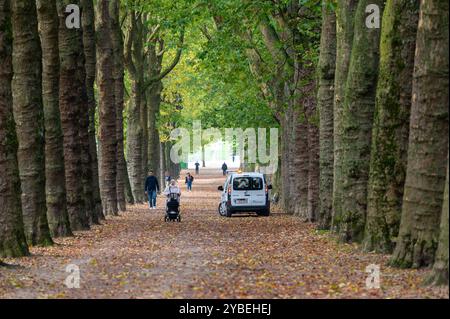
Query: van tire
point(228, 211)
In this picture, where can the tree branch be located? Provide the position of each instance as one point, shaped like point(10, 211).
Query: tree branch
point(169, 69)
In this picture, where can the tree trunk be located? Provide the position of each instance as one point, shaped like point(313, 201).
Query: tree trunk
point(119, 101)
point(12, 236)
point(286, 165)
point(391, 125)
point(162, 161)
point(357, 118)
point(70, 50)
point(128, 193)
point(58, 218)
point(313, 170)
point(29, 118)
point(88, 24)
point(203, 157)
point(326, 72)
point(154, 101)
point(345, 13)
point(107, 109)
point(86, 161)
point(144, 124)
point(134, 143)
point(428, 141)
point(134, 61)
point(300, 166)
point(439, 274)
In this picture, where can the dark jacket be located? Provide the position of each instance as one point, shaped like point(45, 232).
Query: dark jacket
point(224, 167)
point(189, 179)
point(151, 184)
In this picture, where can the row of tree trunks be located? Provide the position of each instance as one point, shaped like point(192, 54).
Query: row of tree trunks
point(428, 141)
point(391, 125)
point(55, 180)
point(12, 239)
point(49, 102)
point(107, 109)
point(29, 119)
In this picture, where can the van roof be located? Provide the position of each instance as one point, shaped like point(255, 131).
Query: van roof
point(251, 174)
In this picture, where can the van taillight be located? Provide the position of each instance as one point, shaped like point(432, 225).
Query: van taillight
point(229, 190)
point(267, 189)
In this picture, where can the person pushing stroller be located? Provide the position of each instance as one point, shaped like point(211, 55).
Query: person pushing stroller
point(173, 194)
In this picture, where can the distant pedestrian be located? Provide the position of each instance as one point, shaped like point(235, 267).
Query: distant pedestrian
point(167, 178)
point(151, 189)
point(188, 181)
point(224, 168)
point(197, 167)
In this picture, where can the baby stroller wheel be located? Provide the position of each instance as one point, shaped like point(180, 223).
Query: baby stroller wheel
point(165, 218)
point(179, 218)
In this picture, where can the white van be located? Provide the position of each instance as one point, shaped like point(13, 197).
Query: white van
point(245, 192)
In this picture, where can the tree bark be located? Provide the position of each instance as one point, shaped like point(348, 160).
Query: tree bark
point(144, 124)
point(313, 168)
point(55, 180)
point(84, 100)
point(88, 24)
point(117, 43)
point(12, 237)
point(391, 125)
point(345, 12)
point(439, 274)
point(134, 62)
point(128, 192)
point(326, 73)
point(154, 102)
point(300, 166)
point(356, 125)
point(428, 141)
point(29, 118)
point(70, 82)
point(107, 109)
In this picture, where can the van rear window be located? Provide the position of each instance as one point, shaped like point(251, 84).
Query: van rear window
point(247, 183)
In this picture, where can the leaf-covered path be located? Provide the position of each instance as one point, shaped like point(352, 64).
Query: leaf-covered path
point(138, 255)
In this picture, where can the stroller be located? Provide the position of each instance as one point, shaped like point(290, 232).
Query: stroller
point(172, 208)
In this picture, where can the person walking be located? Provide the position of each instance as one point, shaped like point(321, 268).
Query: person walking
point(151, 189)
point(197, 167)
point(188, 181)
point(224, 168)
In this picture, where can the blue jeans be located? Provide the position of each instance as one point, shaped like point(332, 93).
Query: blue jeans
point(151, 198)
point(189, 186)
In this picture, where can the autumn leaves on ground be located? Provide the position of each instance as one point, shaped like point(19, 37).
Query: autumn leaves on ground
point(138, 255)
